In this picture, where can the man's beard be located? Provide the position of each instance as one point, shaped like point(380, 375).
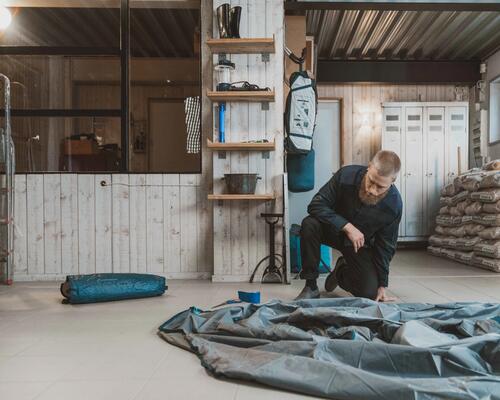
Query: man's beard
point(367, 198)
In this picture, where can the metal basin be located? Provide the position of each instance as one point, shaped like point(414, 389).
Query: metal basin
point(241, 183)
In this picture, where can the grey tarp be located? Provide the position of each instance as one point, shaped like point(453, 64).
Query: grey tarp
point(350, 348)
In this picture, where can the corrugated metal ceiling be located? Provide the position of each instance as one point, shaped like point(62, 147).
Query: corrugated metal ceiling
point(408, 35)
point(154, 32)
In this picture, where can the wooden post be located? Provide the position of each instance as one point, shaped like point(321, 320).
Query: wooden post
point(459, 158)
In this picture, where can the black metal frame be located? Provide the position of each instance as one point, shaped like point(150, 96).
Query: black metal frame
point(124, 89)
point(59, 51)
point(302, 6)
point(123, 113)
point(398, 72)
point(63, 113)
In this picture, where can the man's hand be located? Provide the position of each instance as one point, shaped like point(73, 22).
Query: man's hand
point(355, 236)
point(382, 296)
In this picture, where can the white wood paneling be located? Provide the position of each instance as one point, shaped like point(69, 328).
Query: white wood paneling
point(20, 240)
point(189, 259)
point(86, 224)
point(172, 226)
point(239, 233)
point(52, 223)
point(103, 225)
point(69, 223)
point(154, 223)
point(137, 211)
point(34, 230)
point(120, 222)
point(221, 210)
point(135, 223)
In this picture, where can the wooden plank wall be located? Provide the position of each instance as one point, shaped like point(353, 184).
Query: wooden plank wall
point(362, 113)
point(69, 224)
point(240, 234)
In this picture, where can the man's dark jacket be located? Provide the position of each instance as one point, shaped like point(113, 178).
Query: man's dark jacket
point(338, 203)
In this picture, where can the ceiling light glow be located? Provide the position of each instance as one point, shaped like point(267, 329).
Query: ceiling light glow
point(5, 17)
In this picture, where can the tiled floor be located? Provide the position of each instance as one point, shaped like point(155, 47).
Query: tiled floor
point(110, 351)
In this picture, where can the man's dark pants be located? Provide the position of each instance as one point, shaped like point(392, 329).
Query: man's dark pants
point(358, 276)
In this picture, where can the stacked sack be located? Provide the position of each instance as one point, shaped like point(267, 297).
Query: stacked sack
point(468, 223)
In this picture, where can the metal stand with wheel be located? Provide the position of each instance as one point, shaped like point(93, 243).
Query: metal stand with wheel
point(273, 273)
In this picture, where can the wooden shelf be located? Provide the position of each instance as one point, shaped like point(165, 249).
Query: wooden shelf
point(257, 96)
point(264, 197)
point(241, 46)
point(236, 146)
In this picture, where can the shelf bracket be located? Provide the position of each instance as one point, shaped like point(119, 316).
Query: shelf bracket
point(264, 106)
point(222, 57)
point(266, 57)
point(221, 155)
point(266, 155)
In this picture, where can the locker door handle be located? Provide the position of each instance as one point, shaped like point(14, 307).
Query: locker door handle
point(429, 174)
point(408, 174)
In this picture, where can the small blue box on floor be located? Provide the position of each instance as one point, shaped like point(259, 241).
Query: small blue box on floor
point(295, 258)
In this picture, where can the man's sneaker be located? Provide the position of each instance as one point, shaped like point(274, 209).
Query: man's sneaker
point(308, 293)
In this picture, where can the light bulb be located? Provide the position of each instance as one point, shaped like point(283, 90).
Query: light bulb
point(5, 17)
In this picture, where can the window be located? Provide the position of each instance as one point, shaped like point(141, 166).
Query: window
point(86, 99)
point(494, 110)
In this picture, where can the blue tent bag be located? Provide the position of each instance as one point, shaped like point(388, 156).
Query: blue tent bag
point(295, 257)
point(79, 289)
point(300, 169)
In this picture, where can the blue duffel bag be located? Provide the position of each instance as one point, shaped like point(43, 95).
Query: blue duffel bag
point(300, 170)
point(93, 288)
point(295, 255)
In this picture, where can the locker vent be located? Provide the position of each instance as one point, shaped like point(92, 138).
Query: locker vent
point(413, 128)
point(457, 128)
point(435, 128)
point(413, 117)
point(435, 117)
point(392, 129)
point(392, 117)
point(457, 117)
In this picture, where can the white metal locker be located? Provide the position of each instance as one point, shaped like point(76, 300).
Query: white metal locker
point(392, 140)
point(414, 171)
point(426, 136)
point(456, 137)
point(434, 142)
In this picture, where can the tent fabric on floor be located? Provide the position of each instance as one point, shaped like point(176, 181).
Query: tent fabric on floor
point(350, 348)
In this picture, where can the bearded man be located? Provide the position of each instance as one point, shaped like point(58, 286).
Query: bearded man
point(358, 213)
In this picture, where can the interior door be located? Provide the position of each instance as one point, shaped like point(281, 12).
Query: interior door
point(392, 140)
point(326, 145)
point(435, 167)
point(167, 138)
point(456, 140)
point(414, 199)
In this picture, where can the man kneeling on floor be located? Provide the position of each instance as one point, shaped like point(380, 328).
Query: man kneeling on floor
point(358, 213)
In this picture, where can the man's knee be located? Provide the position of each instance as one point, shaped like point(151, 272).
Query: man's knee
point(367, 290)
point(310, 226)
